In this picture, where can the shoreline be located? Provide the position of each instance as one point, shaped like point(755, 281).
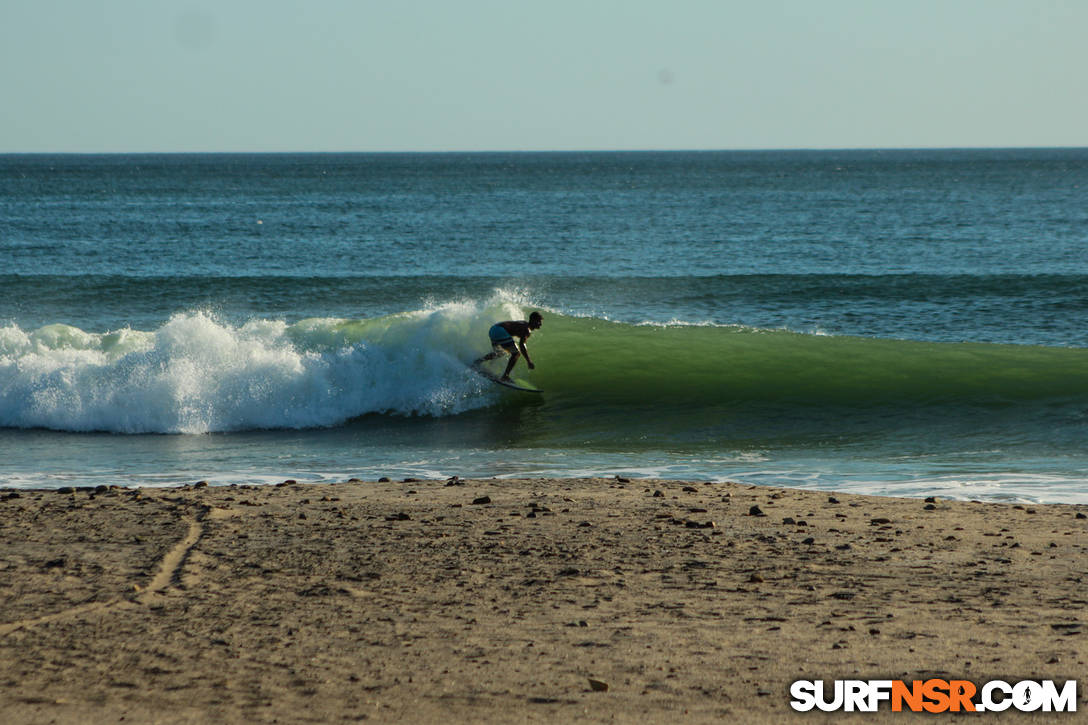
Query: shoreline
point(492, 600)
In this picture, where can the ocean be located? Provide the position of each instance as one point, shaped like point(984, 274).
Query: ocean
point(899, 322)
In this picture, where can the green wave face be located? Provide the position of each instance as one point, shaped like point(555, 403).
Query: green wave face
point(683, 387)
point(608, 363)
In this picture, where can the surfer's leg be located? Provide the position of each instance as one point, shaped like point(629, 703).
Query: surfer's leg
point(497, 350)
point(510, 365)
point(489, 356)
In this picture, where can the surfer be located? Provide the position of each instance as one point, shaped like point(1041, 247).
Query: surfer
point(502, 336)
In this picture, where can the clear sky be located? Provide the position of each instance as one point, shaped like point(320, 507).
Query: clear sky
point(436, 75)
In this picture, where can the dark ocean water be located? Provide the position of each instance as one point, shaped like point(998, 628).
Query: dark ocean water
point(904, 322)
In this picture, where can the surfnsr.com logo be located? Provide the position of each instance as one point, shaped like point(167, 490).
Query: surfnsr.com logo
point(934, 696)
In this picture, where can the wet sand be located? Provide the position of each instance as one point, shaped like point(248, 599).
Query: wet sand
point(520, 601)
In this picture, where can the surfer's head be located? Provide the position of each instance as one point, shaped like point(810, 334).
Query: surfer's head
point(535, 321)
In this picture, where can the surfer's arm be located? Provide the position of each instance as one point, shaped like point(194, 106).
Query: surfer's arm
point(525, 352)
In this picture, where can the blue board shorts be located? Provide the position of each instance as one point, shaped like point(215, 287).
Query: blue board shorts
point(501, 338)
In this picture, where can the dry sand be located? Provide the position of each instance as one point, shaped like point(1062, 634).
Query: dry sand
point(499, 601)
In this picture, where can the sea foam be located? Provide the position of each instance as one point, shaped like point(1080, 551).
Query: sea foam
point(197, 374)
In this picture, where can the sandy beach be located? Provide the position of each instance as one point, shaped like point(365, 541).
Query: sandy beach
point(534, 600)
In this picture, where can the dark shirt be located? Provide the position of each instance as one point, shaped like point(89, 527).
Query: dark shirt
point(517, 328)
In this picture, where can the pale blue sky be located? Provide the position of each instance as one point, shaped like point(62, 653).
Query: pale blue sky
point(428, 75)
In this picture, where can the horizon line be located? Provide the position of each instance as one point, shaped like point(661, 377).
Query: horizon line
point(547, 151)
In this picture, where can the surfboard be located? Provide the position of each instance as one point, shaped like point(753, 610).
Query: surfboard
point(512, 384)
